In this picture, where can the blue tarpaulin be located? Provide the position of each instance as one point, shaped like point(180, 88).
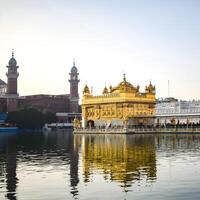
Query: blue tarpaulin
point(3, 117)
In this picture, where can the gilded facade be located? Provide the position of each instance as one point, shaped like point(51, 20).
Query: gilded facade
point(120, 105)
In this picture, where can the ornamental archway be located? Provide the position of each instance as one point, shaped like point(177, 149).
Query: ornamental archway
point(90, 124)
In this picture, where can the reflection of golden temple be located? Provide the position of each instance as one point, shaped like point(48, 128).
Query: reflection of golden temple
point(117, 104)
point(121, 158)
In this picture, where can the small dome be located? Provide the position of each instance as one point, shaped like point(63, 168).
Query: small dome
point(74, 70)
point(2, 82)
point(12, 62)
point(150, 88)
point(105, 90)
point(86, 90)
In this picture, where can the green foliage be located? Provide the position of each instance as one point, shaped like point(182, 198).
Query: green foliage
point(50, 117)
point(30, 118)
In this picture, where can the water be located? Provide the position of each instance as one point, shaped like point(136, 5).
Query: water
point(56, 166)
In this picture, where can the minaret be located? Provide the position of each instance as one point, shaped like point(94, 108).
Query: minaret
point(12, 76)
point(74, 96)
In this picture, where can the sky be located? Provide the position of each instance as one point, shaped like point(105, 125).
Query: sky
point(148, 40)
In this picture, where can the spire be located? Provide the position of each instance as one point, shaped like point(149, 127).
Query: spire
point(124, 79)
point(105, 90)
point(150, 88)
point(12, 61)
point(86, 90)
point(74, 62)
point(12, 53)
point(74, 70)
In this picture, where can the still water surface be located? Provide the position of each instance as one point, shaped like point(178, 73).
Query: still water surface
point(58, 165)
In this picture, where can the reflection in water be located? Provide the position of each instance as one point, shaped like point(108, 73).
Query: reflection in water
point(64, 165)
point(120, 158)
point(74, 180)
point(8, 164)
point(178, 142)
point(35, 152)
point(55, 149)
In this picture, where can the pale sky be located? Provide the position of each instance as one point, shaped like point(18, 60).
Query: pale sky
point(153, 40)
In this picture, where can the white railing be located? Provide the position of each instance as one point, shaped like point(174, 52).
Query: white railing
point(136, 130)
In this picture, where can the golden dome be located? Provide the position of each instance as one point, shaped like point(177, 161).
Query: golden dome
point(125, 86)
point(105, 90)
point(86, 90)
point(150, 88)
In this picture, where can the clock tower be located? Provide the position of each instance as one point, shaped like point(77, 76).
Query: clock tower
point(11, 93)
point(74, 96)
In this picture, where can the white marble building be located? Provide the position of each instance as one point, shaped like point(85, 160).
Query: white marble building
point(172, 109)
point(3, 87)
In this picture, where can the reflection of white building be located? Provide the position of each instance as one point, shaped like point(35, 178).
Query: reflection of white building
point(2, 88)
point(170, 108)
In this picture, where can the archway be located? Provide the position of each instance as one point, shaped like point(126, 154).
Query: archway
point(90, 124)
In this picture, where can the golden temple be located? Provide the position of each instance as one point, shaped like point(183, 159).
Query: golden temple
point(120, 105)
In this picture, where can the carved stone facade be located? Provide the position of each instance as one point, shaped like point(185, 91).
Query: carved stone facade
point(120, 105)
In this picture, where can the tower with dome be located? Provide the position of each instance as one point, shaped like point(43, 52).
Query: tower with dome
point(66, 106)
point(11, 92)
point(74, 96)
point(12, 76)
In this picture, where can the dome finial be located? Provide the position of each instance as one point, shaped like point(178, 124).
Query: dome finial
point(105, 90)
point(86, 90)
point(124, 77)
point(73, 62)
point(12, 61)
point(12, 53)
point(74, 70)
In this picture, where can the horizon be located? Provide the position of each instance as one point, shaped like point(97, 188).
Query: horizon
point(148, 41)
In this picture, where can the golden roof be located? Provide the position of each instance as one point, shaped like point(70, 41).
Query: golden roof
point(123, 87)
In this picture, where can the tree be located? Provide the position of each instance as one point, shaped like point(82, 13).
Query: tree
point(30, 118)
